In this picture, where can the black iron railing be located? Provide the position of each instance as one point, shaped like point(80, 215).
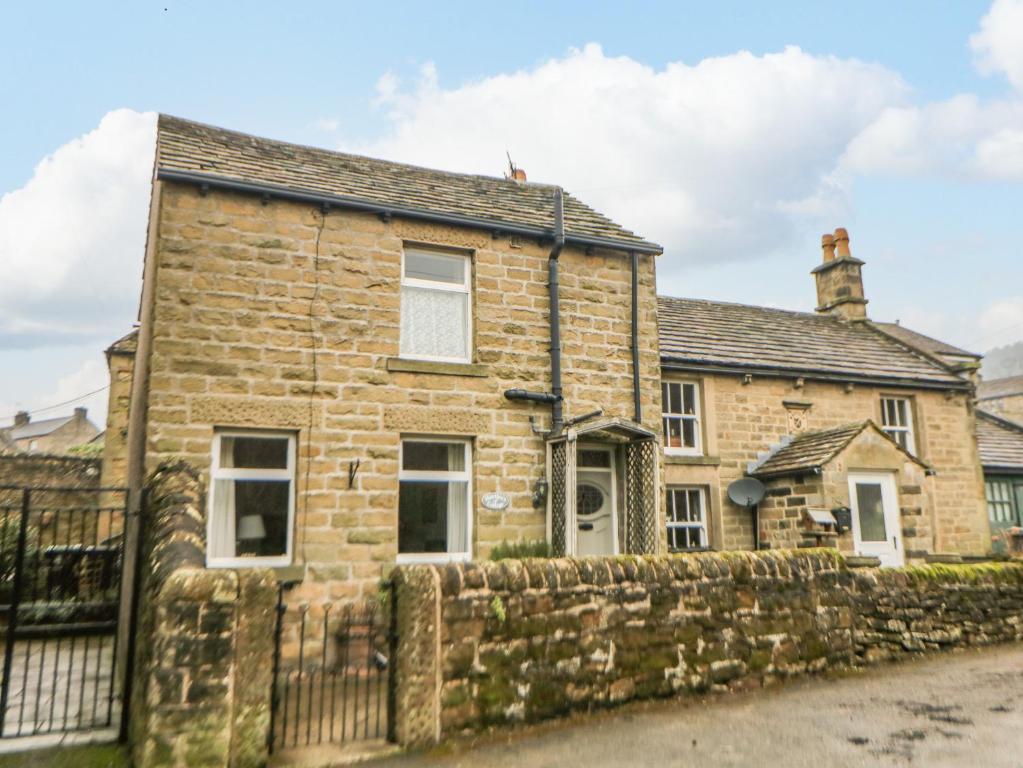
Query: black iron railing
point(331, 674)
point(60, 582)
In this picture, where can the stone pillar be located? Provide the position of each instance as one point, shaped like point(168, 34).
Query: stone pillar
point(417, 671)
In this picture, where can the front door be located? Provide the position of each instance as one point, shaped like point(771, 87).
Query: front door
point(596, 503)
point(875, 517)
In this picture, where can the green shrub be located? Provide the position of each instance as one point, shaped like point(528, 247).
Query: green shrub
point(517, 550)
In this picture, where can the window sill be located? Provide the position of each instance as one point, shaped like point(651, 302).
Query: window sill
point(404, 365)
point(432, 558)
point(690, 460)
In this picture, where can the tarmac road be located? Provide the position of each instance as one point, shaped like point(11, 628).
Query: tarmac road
point(955, 709)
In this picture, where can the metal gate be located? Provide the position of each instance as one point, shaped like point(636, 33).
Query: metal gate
point(61, 556)
point(331, 676)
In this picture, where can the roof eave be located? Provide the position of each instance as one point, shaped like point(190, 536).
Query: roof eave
point(678, 364)
point(386, 209)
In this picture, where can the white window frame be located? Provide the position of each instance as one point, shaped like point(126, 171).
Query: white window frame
point(908, 428)
point(465, 288)
point(696, 418)
point(240, 473)
point(464, 476)
point(702, 525)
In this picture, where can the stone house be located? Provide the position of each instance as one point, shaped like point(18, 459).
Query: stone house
point(50, 436)
point(371, 362)
point(1002, 397)
point(1000, 442)
point(832, 412)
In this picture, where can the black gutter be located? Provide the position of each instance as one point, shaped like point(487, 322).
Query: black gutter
point(841, 378)
point(637, 408)
point(557, 407)
point(387, 209)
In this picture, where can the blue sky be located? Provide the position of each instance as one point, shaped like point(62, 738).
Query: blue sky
point(881, 117)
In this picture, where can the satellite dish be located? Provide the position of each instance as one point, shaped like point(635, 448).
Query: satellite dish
point(746, 491)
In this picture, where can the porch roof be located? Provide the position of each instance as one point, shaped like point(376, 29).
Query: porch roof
point(611, 429)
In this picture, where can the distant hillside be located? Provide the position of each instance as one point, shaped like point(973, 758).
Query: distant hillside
point(1004, 361)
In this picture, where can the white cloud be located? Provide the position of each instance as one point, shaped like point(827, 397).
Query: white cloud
point(716, 160)
point(72, 238)
point(1002, 322)
point(998, 44)
point(90, 375)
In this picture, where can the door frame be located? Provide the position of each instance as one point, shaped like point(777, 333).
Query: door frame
point(613, 472)
point(890, 508)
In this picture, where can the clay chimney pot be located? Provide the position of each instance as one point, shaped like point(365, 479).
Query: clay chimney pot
point(518, 174)
point(828, 246)
point(842, 243)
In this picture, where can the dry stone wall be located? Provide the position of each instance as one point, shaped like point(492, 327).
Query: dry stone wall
point(522, 641)
point(201, 694)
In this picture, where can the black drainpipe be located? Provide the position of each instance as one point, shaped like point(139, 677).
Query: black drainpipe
point(635, 339)
point(557, 406)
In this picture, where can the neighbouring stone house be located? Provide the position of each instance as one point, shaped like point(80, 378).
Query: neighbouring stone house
point(357, 356)
point(50, 436)
point(832, 411)
point(1001, 454)
point(1002, 397)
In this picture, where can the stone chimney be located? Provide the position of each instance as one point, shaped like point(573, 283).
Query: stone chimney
point(80, 414)
point(839, 282)
point(21, 418)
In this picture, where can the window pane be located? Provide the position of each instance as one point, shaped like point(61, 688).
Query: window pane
point(673, 432)
point(689, 433)
point(434, 323)
point(253, 452)
point(437, 457)
point(432, 517)
point(675, 390)
point(250, 518)
point(870, 511)
point(689, 399)
point(423, 265)
point(695, 512)
point(665, 398)
point(594, 459)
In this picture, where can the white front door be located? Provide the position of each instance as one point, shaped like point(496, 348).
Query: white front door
point(595, 503)
point(877, 530)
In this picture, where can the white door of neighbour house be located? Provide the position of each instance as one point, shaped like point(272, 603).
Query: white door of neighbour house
point(596, 503)
point(877, 530)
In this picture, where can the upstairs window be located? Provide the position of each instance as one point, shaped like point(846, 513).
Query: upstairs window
point(687, 521)
point(434, 500)
point(436, 322)
point(897, 421)
point(681, 416)
point(252, 499)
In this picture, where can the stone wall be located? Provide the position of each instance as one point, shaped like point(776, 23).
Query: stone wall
point(120, 366)
point(279, 317)
point(201, 693)
point(744, 419)
point(521, 641)
point(1009, 407)
point(41, 471)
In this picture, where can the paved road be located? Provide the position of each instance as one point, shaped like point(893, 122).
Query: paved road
point(963, 709)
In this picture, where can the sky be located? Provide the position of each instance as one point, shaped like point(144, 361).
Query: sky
point(732, 133)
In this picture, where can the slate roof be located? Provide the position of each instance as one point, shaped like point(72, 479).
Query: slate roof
point(924, 342)
point(185, 146)
point(1004, 387)
point(126, 345)
point(812, 450)
point(1000, 442)
point(715, 334)
point(36, 428)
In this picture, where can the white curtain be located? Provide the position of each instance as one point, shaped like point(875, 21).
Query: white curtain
point(222, 528)
point(433, 323)
point(457, 502)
